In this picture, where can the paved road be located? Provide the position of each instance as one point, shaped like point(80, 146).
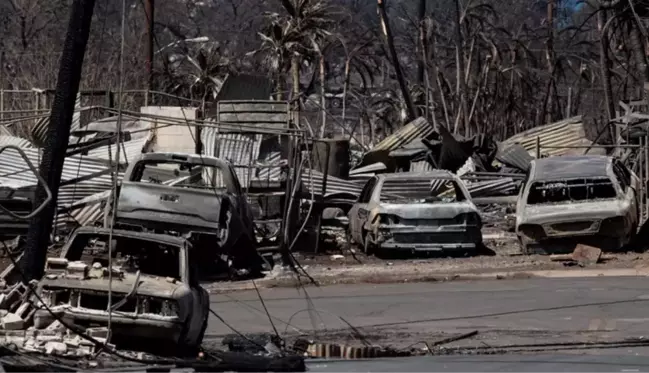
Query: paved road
point(508, 311)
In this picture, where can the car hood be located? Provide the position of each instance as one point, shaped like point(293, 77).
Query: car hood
point(439, 210)
point(563, 212)
point(148, 285)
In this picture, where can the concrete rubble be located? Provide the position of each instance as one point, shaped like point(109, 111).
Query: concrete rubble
point(27, 326)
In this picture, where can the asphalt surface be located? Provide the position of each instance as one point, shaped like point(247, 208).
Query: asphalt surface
point(508, 363)
point(503, 312)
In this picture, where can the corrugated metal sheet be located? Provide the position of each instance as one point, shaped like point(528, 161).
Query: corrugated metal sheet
point(14, 172)
point(129, 151)
point(490, 188)
point(421, 166)
point(241, 150)
point(39, 132)
point(568, 132)
point(4, 131)
point(417, 129)
point(514, 155)
point(371, 168)
point(14, 140)
point(312, 184)
point(271, 173)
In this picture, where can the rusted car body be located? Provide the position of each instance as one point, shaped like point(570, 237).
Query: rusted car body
point(410, 211)
point(156, 296)
point(197, 197)
point(569, 200)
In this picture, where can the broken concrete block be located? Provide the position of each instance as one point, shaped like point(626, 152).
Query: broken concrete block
point(46, 338)
point(100, 332)
point(56, 348)
point(586, 255)
point(16, 337)
point(44, 319)
point(23, 310)
point(55, 326)
point(13, 322)
point(13, 297)
point(77, 270)
point(56, 265)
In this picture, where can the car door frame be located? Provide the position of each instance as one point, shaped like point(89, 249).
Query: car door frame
point(355, 221)
point(629, 190)
point(200, 299)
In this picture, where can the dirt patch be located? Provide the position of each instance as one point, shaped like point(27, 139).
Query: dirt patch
point(328, 271)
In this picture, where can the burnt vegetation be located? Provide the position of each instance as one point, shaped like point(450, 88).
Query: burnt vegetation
point(474, 66)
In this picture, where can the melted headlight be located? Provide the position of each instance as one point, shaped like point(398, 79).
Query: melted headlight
point(162, 307)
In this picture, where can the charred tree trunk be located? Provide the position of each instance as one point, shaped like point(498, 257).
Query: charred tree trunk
point(421, 67)
point(637, 44)
point(459, 46)
point(548, 109)
point(323, 98)
point(605, 65)
point(149, 10)
point(387, 33)
point(51, 167)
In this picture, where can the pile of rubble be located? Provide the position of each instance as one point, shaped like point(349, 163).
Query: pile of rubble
point(28, 325)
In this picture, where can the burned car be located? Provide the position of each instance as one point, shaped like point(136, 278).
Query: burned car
point(568, 200)
point(429, 211)
point(155, 292)
point(197, 197)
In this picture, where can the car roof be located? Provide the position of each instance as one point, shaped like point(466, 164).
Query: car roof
point(566, 167)
point(161, 238)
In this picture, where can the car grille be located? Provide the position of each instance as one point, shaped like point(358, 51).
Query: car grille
point(99, 301)
point(586, 226)
point(430, 238)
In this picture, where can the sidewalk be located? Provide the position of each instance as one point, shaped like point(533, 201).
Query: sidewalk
point(434, 270)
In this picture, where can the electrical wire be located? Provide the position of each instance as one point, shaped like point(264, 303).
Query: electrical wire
point(247, 233)
point(116, 174)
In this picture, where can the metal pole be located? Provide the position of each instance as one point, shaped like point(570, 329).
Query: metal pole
point(538, 147)
point(74, 49)
point(322, 195)
point(646, 174)
point(149, 10)
point(2, 103)
point(641, 176)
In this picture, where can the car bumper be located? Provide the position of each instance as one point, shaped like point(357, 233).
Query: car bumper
point(129, 325)
point(431, 239)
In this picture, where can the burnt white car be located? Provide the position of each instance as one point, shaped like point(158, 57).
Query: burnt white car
point(156, 296)
point(568, 200)
point(415, 211)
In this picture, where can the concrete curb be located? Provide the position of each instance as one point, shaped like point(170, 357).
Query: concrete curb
point(439, 277)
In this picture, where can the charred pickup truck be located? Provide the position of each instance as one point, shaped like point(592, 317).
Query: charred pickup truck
point(565, 201)
point(194, 196)
point(415, 212)
point(156, 297)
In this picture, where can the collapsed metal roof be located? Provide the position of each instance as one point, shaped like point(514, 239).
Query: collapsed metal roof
point(559, 138)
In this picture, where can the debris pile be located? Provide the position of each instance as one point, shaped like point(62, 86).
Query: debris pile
point(28, 325)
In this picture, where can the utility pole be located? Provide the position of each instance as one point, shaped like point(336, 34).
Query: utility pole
point(149, 10)
point(33, 261)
